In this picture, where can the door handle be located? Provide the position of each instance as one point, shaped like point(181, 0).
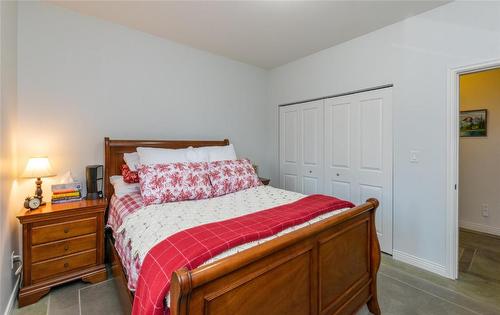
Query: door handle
point(310, 171)
point(338, 174)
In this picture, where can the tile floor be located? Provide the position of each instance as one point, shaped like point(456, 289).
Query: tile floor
point(77, 298)
point(403, 289)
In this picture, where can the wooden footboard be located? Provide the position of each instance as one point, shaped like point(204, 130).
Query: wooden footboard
point(327, 268)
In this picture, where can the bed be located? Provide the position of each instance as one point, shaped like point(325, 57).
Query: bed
point(328, 267)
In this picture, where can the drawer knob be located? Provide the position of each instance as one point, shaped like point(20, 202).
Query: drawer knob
point(66, 230)
point(66, 265)
point(66, 247)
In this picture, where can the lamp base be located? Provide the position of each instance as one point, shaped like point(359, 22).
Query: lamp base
point(38, 191)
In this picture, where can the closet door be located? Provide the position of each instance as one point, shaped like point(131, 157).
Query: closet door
point(374, 158)
point(311, 147)
point(340, 173)
point(289, 148)
point(358, 157)
point(301, 147)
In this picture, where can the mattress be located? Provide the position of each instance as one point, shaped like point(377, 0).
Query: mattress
point(137, 228)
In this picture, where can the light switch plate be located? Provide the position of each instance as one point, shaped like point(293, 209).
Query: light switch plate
point(484, 210)
point(414, 156)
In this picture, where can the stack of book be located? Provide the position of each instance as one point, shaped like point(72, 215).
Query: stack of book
point(62, 193)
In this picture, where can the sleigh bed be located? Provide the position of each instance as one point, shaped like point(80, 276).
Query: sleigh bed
point(329, 267)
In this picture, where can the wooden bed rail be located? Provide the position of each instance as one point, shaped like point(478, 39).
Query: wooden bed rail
point(329, 267)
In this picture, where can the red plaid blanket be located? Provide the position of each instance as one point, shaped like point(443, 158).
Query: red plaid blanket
point(192, 247)
point(120, 207)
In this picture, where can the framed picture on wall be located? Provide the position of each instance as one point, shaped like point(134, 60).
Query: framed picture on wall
point(473, 123)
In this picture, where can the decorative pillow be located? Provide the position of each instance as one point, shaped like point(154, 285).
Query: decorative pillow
point(121, 188)
point(132, 160)
point(231, 176)
point(161, 183)
point(128, 175)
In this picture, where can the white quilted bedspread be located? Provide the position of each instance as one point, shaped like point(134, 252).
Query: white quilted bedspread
point(152, 224)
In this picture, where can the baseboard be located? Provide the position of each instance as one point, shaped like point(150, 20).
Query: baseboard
point(13, 296)
point(420, 263)
point(483, 228)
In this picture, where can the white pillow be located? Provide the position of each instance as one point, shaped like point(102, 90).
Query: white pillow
point(221, 153)
point(121, 188)
point(160, 156)
point(132, 160)
point(150, 156)
point(197, 155)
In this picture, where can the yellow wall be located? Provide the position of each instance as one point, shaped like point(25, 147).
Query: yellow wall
point(480, 157)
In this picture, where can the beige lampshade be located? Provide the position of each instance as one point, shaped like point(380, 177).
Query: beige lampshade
point(38, 167)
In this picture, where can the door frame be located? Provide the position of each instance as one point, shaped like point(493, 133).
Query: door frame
point(452, 158)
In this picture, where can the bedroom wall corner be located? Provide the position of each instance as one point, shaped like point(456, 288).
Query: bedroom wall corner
point(9, 205)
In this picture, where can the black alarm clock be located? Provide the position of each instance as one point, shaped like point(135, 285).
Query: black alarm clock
point(32, 203)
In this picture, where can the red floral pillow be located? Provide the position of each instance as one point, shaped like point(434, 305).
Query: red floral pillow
point(232, 176)
point(161, 183)
point(129, 176)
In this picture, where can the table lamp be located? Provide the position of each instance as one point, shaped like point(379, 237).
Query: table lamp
point(38, 167)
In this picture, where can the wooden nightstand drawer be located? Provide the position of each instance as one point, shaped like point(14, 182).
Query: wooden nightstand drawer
point(61, 243)
point(64, 247)
point(64, 264)
point(53, 232)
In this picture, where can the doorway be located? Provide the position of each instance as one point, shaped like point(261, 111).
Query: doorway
point(473, 210)
point(479, 173)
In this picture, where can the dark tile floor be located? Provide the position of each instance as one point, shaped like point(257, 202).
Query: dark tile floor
point(480, 256)
point(77, 298)
point(403, 289)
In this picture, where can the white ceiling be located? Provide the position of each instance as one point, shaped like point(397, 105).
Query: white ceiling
point(263, 33)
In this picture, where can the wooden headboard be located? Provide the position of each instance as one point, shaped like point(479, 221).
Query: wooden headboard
point(114, 149)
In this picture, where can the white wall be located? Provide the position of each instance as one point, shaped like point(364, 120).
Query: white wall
point(9, 227)
point(415, 56)
point(81, 79)
point(479, 170)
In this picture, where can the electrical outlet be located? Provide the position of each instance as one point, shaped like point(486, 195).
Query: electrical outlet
point(13, 259)
point(484, 210)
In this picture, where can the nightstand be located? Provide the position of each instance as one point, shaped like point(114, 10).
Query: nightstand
point(61, 243)
point(265, 181)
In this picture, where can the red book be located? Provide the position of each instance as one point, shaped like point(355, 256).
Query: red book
point(64, 191)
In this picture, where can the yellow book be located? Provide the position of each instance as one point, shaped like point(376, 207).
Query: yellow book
point(66, 195)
